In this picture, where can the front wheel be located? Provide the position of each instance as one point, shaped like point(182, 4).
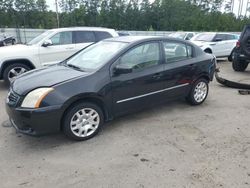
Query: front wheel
point(12, 71)
point(199, 92)
point(83, 121)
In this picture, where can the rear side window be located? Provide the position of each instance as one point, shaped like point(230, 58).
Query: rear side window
point(84, 36)
point(189, 36)
point(175, 51)
point(221, 37)
point(231, 37)
point(100, 35)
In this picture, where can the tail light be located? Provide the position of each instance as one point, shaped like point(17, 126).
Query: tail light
point(238, 44)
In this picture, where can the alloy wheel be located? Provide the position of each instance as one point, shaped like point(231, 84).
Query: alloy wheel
point(200, 92)
point(84, 122)
point(16, 71)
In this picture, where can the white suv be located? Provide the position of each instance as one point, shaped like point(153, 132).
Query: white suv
point(219, 44)
point(48, 48)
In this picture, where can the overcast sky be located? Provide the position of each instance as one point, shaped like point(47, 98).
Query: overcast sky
point(51, 4)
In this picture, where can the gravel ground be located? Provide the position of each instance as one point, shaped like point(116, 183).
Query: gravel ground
point(173, 145)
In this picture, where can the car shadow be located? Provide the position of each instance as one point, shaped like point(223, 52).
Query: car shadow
point(54, 141)
point(3, 86)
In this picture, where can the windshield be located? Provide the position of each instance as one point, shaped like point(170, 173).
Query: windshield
point(207, 37)
point(39, 38)
point(178, 35)
point(96, 55)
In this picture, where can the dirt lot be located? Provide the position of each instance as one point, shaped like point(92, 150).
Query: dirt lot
point(174, 145)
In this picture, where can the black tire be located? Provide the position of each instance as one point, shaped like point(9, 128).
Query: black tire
point(239, 65)
point(71, 114)
point(191, 99)
point(13, 41)
point(7, 70)
point(208, 51)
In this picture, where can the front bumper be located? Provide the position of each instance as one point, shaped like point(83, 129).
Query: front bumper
point(35, 121)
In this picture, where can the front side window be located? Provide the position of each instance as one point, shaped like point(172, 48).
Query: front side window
point(62, 38)
point(175, 51)
point(84, 36)
point(142, 57)
point(206, 37)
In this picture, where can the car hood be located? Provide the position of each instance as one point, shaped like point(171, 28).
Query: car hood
point(45, 77)
point(16, 50)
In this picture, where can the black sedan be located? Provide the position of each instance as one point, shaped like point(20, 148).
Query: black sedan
point(106, 80)
point(7, 40)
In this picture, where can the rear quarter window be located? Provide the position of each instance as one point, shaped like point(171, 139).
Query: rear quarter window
point(101, 35)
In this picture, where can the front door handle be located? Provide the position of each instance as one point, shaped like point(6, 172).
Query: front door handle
point(69, 48)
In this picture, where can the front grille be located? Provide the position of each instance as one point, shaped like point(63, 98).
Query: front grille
point(12, 98)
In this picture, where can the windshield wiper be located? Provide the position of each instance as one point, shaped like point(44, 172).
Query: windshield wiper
point(74, 66)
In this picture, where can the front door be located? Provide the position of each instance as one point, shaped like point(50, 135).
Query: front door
point(132, 91)
point(62, 47)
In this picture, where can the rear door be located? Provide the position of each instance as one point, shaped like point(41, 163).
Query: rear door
point(62, 47)
point(83, 39)
point(143, 85)
point(231, 42)
point(220, 45)
point(179, 68)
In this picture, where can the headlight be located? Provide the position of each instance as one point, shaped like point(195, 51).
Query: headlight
point(35, 97)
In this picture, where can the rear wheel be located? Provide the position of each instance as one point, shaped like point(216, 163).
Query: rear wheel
point(199, 92)
point(12, 71)
point(83, 121)
point(239, 65)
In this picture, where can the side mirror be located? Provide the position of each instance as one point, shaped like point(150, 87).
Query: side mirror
point(47, 43)
point(218, 39)
point(122, 69)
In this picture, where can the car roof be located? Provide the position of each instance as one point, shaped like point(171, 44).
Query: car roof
point(214, 33)
point(131, 39)
point(82, 28)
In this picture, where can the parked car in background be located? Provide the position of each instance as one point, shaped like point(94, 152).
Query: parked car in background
point(183, 35)
point(106, 80)
point(48, 48)
point(219, 44)
point(6, 39)
point(241, 54)
point(121, 33)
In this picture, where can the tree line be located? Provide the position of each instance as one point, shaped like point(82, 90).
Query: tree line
point(159, 15)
